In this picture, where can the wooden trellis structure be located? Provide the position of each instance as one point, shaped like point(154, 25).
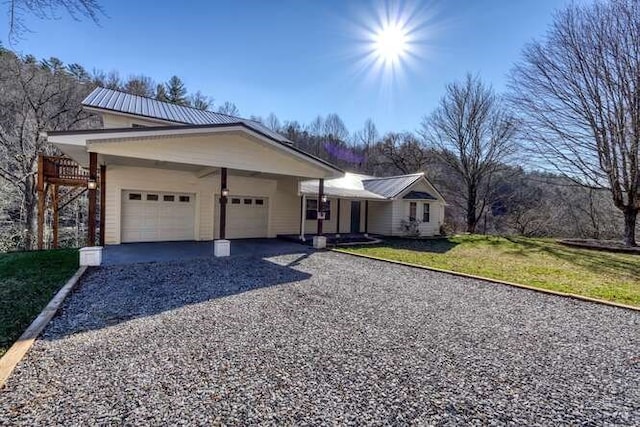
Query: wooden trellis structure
point(56, 172)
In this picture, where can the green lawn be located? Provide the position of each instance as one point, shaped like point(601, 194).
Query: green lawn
point(536, 262)
point(28, 281)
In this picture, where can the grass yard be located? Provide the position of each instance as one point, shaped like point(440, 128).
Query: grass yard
point(536, 262)
point(28, 280)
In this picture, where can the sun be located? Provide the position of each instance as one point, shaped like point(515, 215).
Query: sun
point(391, 42)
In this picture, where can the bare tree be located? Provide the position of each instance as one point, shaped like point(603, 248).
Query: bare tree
point(35, 99)
point(140, 85)
point(404, 151)
point(579, 95)
point(473, 135)
point(48, 9)
point(229, 108)
point(273, 122)
point(200, 101)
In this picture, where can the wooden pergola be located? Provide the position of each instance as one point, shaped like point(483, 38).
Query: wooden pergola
point(55, 172)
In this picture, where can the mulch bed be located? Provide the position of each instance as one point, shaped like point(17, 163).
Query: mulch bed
point(601, 245)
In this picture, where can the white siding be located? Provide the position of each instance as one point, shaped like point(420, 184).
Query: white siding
point(283, 202)
point(381, 218)
point(112, 121)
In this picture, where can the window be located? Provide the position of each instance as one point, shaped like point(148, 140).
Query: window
point(259, 202)
point(312, 210)
point(152, 197)
point(169, 198)
point(425, 212)
point(412, 211)
point(248, 201)
point(184, 199)
point(135, 196)
point(235, 201)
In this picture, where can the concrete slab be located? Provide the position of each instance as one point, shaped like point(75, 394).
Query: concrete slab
point(132, 253)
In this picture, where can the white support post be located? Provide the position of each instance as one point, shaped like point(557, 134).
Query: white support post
point(303, 216)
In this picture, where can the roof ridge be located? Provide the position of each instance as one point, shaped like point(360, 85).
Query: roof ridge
point(170, 103)
point(394, 176)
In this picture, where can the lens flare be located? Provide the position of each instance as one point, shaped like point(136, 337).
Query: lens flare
point(392, 40)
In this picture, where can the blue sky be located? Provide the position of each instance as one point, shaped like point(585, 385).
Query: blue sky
point(299, 58)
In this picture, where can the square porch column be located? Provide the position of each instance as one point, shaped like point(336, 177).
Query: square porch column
point(320, 241)
point(222, 247)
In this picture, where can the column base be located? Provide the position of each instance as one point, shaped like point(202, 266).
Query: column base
point(319, 242)
point(91, 256)
point(221, 248)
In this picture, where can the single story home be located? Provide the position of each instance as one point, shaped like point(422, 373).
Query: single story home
point(172, 172)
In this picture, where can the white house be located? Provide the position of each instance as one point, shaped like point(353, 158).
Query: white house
point(166, 166)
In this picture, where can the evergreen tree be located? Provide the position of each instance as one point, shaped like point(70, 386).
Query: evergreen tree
point(161, 93)
point(176, 91)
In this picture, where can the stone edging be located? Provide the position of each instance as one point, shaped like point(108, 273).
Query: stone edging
point(501, 282)
point(18, 350)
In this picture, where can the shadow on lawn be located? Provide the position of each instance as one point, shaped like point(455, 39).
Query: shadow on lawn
point(436, 245)
point(115, 294)
point(600, 262)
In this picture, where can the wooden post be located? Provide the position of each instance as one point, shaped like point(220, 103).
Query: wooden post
point(320, 206)
point(103, 197)
point(366, 217)
point(41, 197)
point(338, 219)
point(223, 203)
point(93, 175)
point(56, 216)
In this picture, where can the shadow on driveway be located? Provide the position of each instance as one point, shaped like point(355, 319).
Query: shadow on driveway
point(113, 294)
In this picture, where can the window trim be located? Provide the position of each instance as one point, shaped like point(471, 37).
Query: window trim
point(413, 206)
point(311, 213)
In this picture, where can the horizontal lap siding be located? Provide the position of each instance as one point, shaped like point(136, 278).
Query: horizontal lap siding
point(285, 208)
point(380, 217)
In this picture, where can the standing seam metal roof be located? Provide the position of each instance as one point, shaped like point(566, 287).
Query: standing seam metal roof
point(391, 186)
point(113, 100)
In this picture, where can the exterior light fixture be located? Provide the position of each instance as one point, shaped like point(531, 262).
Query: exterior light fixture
point(92, 184)
point(225, 192)
point(324, 198)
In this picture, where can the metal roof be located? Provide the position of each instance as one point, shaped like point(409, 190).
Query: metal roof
point(122, 102)
point(348, 186)
point(391, 186)
point(419, 195)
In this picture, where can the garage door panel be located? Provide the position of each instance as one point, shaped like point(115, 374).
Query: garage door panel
point(157, 216)
point(247, 217)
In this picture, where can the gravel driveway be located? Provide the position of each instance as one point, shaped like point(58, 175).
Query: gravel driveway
point(320, 338)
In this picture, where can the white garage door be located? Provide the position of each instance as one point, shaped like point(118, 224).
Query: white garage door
point(152, 216)
point(247, 217)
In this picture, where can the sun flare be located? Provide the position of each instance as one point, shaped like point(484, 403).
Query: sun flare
point(391, 42)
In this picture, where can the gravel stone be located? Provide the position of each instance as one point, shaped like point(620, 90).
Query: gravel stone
point(312, 338)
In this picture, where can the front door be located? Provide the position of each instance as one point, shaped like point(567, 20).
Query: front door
point(355, 216)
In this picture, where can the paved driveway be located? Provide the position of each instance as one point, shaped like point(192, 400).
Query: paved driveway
point(312, 338)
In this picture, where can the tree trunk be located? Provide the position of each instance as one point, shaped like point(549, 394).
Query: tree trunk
point(30, 201)
point(630, 217)
point(471, 210)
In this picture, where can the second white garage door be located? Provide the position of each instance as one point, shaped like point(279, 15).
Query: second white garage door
point(152, 216)
point(247, 217)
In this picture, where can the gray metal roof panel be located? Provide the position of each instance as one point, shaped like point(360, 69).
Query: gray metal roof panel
point(109, 99)
point(391, 186)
